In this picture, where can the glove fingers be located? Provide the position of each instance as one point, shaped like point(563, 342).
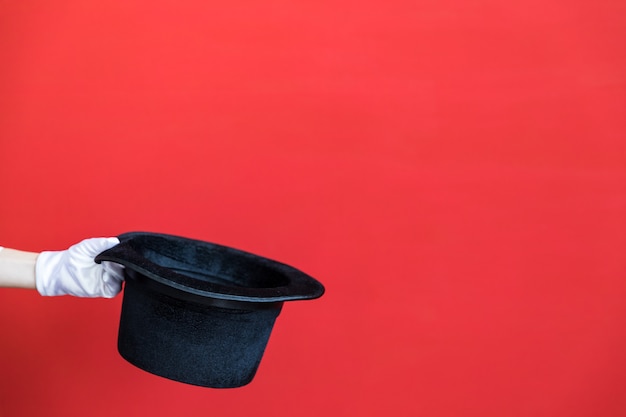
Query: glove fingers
point(113, 276)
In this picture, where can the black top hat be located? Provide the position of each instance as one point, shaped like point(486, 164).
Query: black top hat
point(198, 312)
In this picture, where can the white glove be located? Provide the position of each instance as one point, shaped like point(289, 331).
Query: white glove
point(74, 271)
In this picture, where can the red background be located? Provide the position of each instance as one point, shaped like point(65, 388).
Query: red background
point(454, 172)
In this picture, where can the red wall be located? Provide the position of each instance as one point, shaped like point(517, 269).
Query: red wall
point(453, 171)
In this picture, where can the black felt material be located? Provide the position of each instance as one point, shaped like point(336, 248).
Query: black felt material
point(192, 343)
point(198, 312)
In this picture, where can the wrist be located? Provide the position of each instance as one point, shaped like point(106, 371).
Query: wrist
point(17, 268)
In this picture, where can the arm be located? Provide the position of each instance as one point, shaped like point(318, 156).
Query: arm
point(67, 272)
point(17, 268)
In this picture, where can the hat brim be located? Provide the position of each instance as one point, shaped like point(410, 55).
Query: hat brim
point(211, 270)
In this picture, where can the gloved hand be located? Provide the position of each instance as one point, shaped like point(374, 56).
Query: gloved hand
point(74, 271)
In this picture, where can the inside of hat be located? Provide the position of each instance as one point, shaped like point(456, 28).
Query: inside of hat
point(210, 263)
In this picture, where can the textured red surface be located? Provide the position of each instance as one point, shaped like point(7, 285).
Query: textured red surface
point(454, 172)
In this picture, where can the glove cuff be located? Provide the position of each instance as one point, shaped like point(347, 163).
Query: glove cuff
point(46, 268)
